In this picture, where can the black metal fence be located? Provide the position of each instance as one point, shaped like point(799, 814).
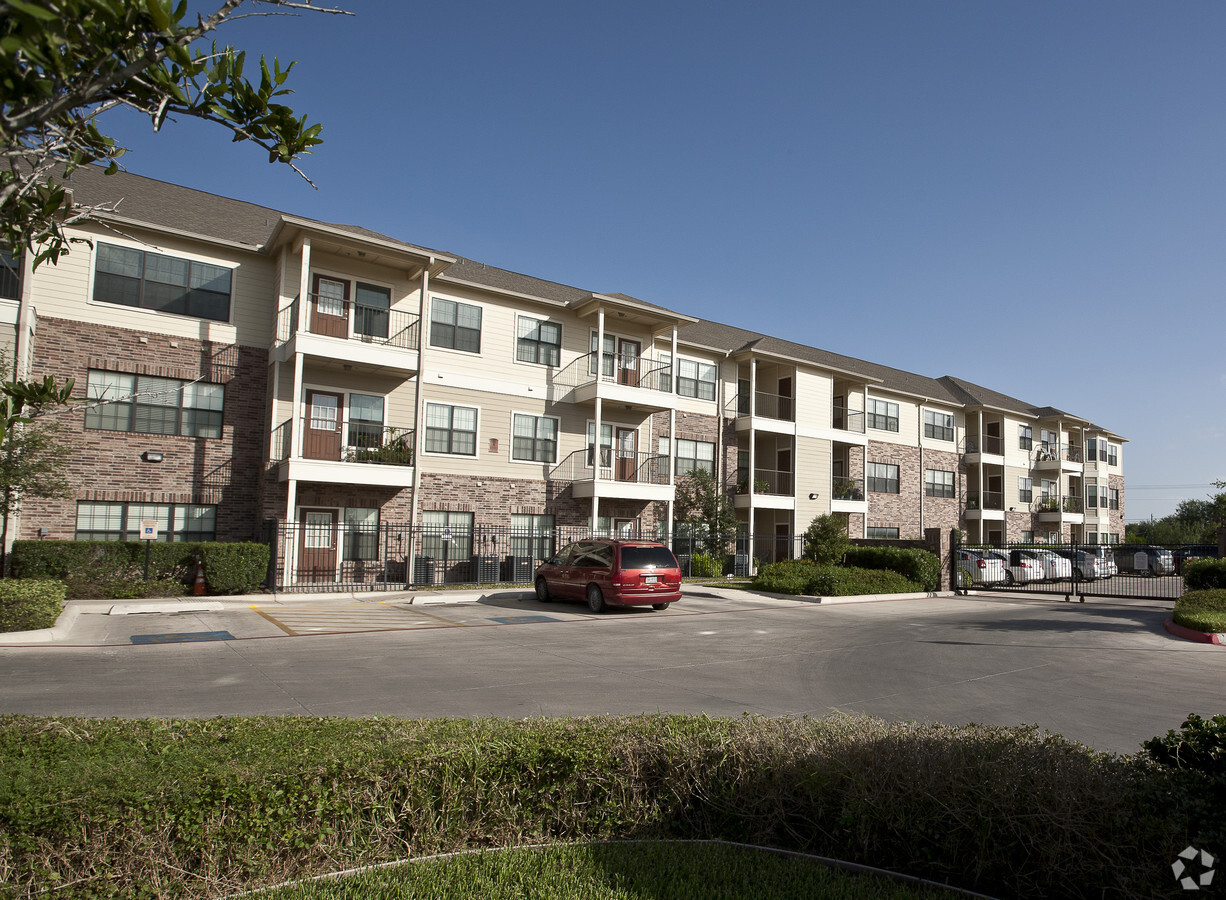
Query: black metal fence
point(1076, 571)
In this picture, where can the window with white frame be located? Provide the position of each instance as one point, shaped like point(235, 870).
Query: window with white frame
point(665, 369)
point(881, 478)
point(532, 535)
point(371, 309)
point(1050, 490)
point(1091, 495)
point(538, 341)
point(1113, 455)
point(1113, 498)
point(365, 420)
point(938, 483)
point(1049, 440)
point(1092, 451)
point(1025, 489)
point(184, 287)
point(883, 533)
point(10, 274)
point(608, 358)
point(114, 521)
point(451, 429)
point(447, 535)
point(149, 405)
point(938, 425)
point(1025, 437)
point(695, 379)
point(455, 326)
point(692, 456)
point(360, 539)
point(883, 415)
point(1102, 496)
point(1026, 536)
point(606, 443)
point(534, 438)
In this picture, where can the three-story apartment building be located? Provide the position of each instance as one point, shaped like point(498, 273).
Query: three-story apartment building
point(239, 365)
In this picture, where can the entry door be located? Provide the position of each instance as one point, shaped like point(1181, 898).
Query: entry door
point(317, 545)
point(783, 542)
point(785, 399)
point(628, 362)
point(627, 454)
point(330, 307)
point(783, 474)
point(322, 437)
point(626, 529)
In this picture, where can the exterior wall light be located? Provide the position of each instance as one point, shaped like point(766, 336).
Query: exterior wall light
point(813, 496)
point(152, 456)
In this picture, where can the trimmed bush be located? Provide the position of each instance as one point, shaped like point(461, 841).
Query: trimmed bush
point(233, 568)
point(704, 566)
point(804, 577)
point(790, 577)
point(914, 564)
point(1205, 574)
point(30, 604)
point(1202, 610)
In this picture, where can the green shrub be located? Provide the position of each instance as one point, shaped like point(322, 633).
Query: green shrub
point(789, 577)
point(826, 539)
point(914, 564)
point(704, 566)
point(30, 604)
point(801, 576)
point(1197, 756)
point(234, 568)
point(1202, 610)
point(1205, 574)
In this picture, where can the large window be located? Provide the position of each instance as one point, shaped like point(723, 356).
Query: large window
point(164, 283)
point(695, 379)
point(372, 305)
point(938, 425)
point(691, 456)
point(882, 478)
point(883, 533)
point(10, 274)
point(456, 326)
point(538, 342)
point(111, 521)
point(883, 415)
point(1092, 496)
point(1025, 437)
point(150, 405)
point(1091, 454)
point(447, 535)
point(451, 429)
point(1025, 489)
point(532, 535)
point(606, 443)
point(1113, 496)
point(365, 420)
point(361, 535)
point(938, 483)
point(1113, 455)
point(534, 438)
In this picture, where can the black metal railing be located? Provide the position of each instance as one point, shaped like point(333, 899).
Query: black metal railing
point(988, 443)
point(615, 465)
point(346, 319)
point(846, 488)
point(340, 441)
point(994, 500)
point(631, 370)
point(845, 419)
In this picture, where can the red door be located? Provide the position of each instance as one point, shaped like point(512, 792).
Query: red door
point(322, 432)
point(317, 545)
point(329, 307)
point(628, 365)
point(627, 455)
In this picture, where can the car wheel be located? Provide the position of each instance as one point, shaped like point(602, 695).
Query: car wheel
point(658, 606)
point(1009, 579)
point(542, 590)
point(595, 599)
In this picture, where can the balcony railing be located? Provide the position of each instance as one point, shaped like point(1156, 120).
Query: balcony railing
point(845, 419)
point(631, 370)
point(847, 488)
point(1058, 504)
point(353, 442)
point(1059, 452)
point(351, 321)
point(615, 465)
point(990, 443)
point(774, 406)
point(994, 500)
point(770, 481)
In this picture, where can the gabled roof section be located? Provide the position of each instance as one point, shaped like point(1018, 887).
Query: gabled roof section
point(481, 275)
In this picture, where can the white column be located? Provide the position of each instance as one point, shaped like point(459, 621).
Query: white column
point(753, 455)
point(599, 417)
point(982, 492)
point(419, 431)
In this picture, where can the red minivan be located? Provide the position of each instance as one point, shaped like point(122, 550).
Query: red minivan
point(608, 572)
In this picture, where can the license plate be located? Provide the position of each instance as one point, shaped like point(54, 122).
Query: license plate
point(649, 579)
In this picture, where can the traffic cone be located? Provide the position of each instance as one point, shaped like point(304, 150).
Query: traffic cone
point(199, 587)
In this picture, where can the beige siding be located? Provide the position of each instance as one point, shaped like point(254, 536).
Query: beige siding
point(812, 476)
point(814, 400)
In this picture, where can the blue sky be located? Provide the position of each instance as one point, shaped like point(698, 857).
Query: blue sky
point(1028, 195)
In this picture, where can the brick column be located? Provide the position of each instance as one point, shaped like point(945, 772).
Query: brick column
point(940, 542)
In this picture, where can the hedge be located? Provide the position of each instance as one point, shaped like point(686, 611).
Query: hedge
point(912, 563)
point(802, 576)
point(30, 604)
point(1205, 574)
point(1202, 610)
point(117, 568)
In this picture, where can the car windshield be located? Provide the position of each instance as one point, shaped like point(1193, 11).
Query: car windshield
point(648, 558)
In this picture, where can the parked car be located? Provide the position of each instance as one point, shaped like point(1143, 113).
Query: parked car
point(1054, 566)
point(607, 572)
point(1019, 569)
point(1151, 560)
point(1086, 566)
point(1192, 552)
point(1106, 558)
point(976, 568)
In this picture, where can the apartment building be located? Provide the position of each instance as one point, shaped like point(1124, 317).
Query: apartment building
point(240, 365)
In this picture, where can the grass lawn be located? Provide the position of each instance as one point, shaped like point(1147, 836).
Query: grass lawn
point(614, 871)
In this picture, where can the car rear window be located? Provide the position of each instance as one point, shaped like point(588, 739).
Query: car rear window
point(648, 558)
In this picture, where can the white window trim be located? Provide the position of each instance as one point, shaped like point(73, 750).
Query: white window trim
point(557, 444)
point(427, 319)
point(476, 454)
point(869, 400)
point(536, 317)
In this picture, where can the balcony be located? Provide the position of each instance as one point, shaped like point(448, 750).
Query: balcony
point(349, 333)
point(621, 474)
point(770, 412)
point(357, 453)
point(1059, 457)
point(845, 419)
point(1055, 509)
point(772, 489)
point(985, 445)
point(637, 381)
point(847, 495)
point(985, 505)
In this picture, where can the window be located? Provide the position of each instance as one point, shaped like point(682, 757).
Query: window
point(882, 478)
point(1113, 495)
point(451, 429)
point(665, 369)
point(532, 535)
point(1113, 455)
point(1091, 455)
point(101, 521)
point(372, 305)
point(1091, 496)
point(1102, 496)
point(691, 456)
point(10, 274)
point(1025, 437)
point(1050, 440)
point(939, 426)
point(1026, 537)
point(938, 483)
point(882, 533)
point(534, 438)
point(456, 326)
point(361, 534)
point(164, 283)
point(538, 342)
point(883, 415)
point(608, 357)
point(606, 443)
point(1025, 489)
point(1050, 490)
point(447, 535)
point(365, 420)
point(1102, 451)
point(695, 379)
point(149, 405)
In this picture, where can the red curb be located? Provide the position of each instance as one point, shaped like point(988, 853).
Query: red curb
point(1190, 634)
